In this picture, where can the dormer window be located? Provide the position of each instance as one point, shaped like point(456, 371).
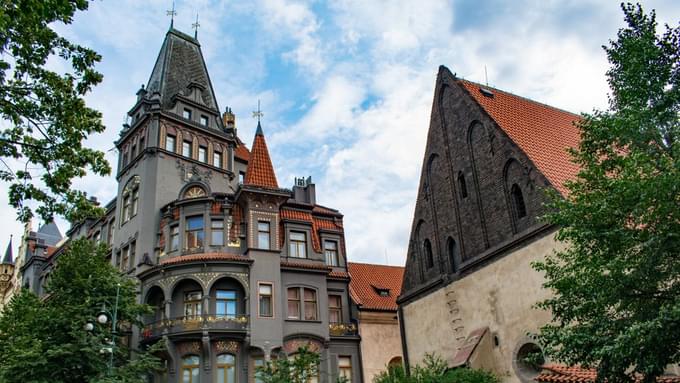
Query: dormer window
point(382, 291)
point(187, 114)
point(204, 120)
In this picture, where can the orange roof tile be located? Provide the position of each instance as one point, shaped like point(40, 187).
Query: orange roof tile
point(305, 265)
point(205, 257)
point(242, 152)
point(260, 171)
point(541, 131)
point(557, 373)
point(366, 278)
point(317, 223)
point(339, 274)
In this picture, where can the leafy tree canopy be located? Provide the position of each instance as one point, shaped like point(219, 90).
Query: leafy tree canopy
point(44, 340)
point(434, 370)
point(616, 301)
point(43, 117)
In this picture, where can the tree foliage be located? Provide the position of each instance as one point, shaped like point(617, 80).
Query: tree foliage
point(616, 301)
point(43, 117)
point(44, 340)
point(298, 368)
point(434, 370)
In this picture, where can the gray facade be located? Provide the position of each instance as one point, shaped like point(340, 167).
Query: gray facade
point(186, 226)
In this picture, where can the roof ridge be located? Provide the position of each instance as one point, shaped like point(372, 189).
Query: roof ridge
point(518, 96)
point(375, 264)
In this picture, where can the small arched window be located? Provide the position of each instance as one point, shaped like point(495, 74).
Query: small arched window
point(518, 201)
point(451, 246)
point(130, 199)
point(462, 185)
point(427, 251)
point(194, 192)
point(190, 369)
point(226, 368)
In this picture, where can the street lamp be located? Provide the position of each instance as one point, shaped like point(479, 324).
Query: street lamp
point(103, 318)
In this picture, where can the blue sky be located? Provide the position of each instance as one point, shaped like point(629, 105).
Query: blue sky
point(346, 86)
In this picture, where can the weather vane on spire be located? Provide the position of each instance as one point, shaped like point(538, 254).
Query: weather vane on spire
point(258, 114)
point(172, 14)
point(195, 26)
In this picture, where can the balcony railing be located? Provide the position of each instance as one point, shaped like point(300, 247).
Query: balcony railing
point(195, 323)
point(342, 329)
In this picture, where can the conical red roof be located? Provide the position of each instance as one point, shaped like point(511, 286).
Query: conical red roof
point(260, 171)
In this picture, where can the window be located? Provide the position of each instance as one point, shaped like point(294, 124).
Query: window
point(126, 208)
point(226, 368)
point(204, 120)
point(451, 245)
point(125, 258)
point(186, 114)
point(225, 303)
point(335, 309)
point(130, 199)
point(186, 149)
point(263, 235)
point(170, 143)
point(194, 232)
point(309, 303)
point(135, 202)
point(141, 144)
point(462, 186)
point(518, 201)
point(110, 234)
point(331, 251)
point(265, 300)
point(345, 368)
point(174, 238)
point(241, 177)
point(297, 245)
point(192, 304)
point(203, 154)
point(191, 369)
point(217, 232)
point(217, 159)
point(133, 151)
point(294, 303)
point(133, 254)
point(125, 158)
point(427, 251)
point(258, 362)
point(97, 236)
point(194, 192)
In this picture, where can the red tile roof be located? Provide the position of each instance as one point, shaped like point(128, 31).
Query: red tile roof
point(541, 131)
point(556, 373)
point(366, 278)
point(260, 171)
point(305, 265)
point(204, 257)
point(317, 223)
point(242, 152)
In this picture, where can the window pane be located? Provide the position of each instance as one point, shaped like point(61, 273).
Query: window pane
point(202, 154)
point(194, 223)
point(226, 294)
point(186, 114)
point(265, 306)
point(310, 295)
point(297, 236)
point(170, 143)
point(217, 159)
point(263, 240)
point(266, 289)
point(186, 149)
point(204, 120)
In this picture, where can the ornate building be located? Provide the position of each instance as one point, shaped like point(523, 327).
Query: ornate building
point(469, 288)
point(7, 280)
point(237, 268)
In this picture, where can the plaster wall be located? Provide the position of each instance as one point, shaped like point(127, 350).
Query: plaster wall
point(380, 341)
point(499, 295)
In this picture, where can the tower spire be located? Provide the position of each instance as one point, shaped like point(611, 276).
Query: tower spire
point(260, 170)
point(8, 259)
point(172, 14)
point(195, 26)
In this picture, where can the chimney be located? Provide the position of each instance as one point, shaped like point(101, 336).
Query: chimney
point(229, 120)
point(93, 200)
point(304, 191)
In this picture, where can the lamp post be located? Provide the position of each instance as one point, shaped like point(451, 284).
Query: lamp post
point(103, 318)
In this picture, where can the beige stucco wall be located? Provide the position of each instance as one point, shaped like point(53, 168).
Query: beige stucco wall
point(500, 295)
point(380, 341)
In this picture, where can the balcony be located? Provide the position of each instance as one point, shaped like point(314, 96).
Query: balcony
point(342, 329)
point(211, 322)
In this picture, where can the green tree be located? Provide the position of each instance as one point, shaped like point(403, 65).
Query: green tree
point(434, 370)
point(44, 340)
point(298, 368)
point(616, 288)
point(43, 117)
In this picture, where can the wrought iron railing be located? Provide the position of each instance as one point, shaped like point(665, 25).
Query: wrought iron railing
point(195, 322)
point(342, 329)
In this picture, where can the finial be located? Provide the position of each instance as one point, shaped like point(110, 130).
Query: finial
point(195, 26)
point(258, 114)
point(172, 14)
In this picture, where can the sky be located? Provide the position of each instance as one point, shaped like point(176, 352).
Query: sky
point(346, 87)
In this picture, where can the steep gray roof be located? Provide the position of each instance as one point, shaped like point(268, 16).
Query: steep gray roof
point(50, 233)
point(8, 259)
point(179, 64)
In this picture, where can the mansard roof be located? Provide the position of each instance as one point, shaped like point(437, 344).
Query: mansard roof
point(260, 171)
point(367, 281)
point(179, 67)
point(50, 233)
point(543, 132)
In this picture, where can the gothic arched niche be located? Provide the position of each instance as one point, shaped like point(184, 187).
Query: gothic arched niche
point(515, 182)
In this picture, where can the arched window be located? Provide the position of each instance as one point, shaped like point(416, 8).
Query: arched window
point(427, 251)
point(462, 186)
point(396, 362)
point(518, 201)
point(451, 246)
point(191, 369)
point(130, 199)
point(194, 192)
point(226, 368)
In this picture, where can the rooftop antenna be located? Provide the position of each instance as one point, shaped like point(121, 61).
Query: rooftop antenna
point(486, 76)
point(258, 114)
point(195, 26)
point(172, 14)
